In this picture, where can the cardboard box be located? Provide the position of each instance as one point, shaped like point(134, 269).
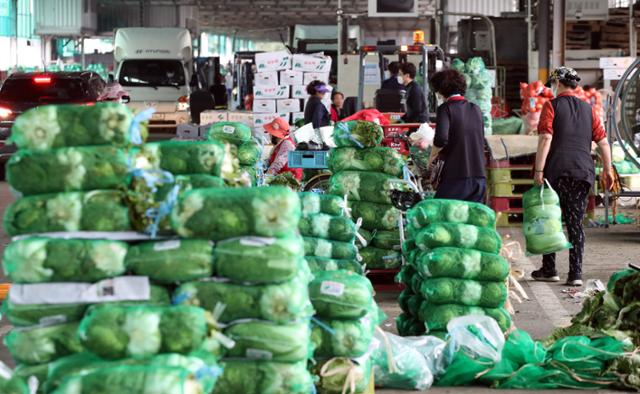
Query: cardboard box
point(290, 77)
point(259, 120)
point(267, 78)
point(186, 131)
point(315, 76)
point(299, 92)
point(241, 117)
point(311, 63)
point(264, 106)
point(296, 116)
point(289, 105)
point(271, 92)
point(273, 61)
point(213, 116)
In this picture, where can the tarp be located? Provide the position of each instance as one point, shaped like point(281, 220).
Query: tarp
point(504, 146)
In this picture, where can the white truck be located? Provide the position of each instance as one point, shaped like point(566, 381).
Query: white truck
point(154, 66)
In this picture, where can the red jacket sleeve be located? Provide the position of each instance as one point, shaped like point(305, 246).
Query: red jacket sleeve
point(545, 125)
point(598, 130)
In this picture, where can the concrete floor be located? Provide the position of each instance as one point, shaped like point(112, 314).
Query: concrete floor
point(607, 250)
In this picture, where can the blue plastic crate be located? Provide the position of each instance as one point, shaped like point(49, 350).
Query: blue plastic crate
point(308, 159)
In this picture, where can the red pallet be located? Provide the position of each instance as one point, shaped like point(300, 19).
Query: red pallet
point(506, 204)
point(384, 281)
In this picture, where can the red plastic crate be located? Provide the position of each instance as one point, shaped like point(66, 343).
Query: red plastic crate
point(506, 204)
point(394, 136)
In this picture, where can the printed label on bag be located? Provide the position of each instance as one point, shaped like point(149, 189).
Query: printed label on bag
point(51, 320)
point(257, 241)
point(257, 354)
point(167, 245)
point(228, 129)
point(335, 289)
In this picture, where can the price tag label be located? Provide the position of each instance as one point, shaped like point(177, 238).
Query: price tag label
point(167, 245)
point(328, 287)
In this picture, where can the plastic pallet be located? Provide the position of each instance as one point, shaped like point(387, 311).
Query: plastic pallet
point(510, 174)
point(509, 219)
point(512, 189)
point(309, 159)
point(506, 204)
point(384, 281)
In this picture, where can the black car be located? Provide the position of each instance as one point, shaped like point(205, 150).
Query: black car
point(23, 91)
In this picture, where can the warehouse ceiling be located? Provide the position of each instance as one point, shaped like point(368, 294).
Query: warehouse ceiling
point(263, 18)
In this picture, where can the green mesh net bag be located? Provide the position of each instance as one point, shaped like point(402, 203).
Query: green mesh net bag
point(76, 169)
point(364, 186)
point(263, 340)
point(459, 235)
point(330, 249)
point(42, 344)
point(220, 214)
point(117, 331)
point(408, 325)
point(542, 225)
point(280, 303)
point(31, 314)
point(341, 295)
point(382, 239)
point(249, 153)
point(357, 134)
point(461, 263)
point(57, 126)
point(13, 385)
point(375, 258)
point(320, 264)
point(377, 159)
point(183, 157)
point(340, 374)
point(266, 377)
point(40, 259)
point(329, 204)
point(259, 259)
point(464, 292)
point(233, 132)
point(436, 317)
point(99, 210)
point(410, 302)
point(343, 338)
point(172, 261)
point(433, 211)
point(133, 379)
point(335, 228)
point(375, 216)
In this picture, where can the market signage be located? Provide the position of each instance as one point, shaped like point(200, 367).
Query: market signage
point(585, 10)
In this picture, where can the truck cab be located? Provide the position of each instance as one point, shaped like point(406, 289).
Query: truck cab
point(154, 66)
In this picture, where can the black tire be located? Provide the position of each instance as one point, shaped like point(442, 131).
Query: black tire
point(319, 183)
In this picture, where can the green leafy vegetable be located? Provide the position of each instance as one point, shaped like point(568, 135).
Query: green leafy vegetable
point(185, 157)
point(464, 291)
point(341, 295)
point(220, 214)
point(249, 153)
point(377, 159)
point(375, 258)
point(100, 210)
point(375, 216)
point(432, 211)
point(329, 204)
point(330, 249)
point(280, 303)
point(335, 228)
point(340, 372)
point(264, 377)
point(172, 261)
point(42, 344)
point(436, 317)
point(461, 263)
point(269, 341)
point(233, 132)
point(320, 264)
point(357, 134)
point(364, 186)
point(77, 169)
point(286, 179)
point(409, 326)
point(347, 338)
point(459, 235)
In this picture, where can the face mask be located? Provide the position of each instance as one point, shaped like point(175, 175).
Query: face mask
point(400, 80)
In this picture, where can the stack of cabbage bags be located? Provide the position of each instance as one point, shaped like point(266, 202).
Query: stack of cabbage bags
point(479, 87)
point(259, 292)
point(329, 234)
point(245, 150)
point(70, 162)
point(454, 267)
point(345, 321)
point(366, 173)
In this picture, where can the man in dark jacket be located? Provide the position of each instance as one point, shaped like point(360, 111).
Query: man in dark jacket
point(393, 82)
point(567, 128)
point(416, 103)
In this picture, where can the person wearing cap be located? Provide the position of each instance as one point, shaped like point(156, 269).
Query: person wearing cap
point(315, 112)
point(283, 143)
point(567, 128)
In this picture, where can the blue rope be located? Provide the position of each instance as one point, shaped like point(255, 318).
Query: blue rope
point(134, 129)
point(323, 326)
point(162, 211)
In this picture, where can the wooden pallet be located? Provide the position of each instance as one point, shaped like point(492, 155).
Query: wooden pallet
point(515, 188)
point(509, 174)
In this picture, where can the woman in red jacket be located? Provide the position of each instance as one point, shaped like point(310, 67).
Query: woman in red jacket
point(279, 160)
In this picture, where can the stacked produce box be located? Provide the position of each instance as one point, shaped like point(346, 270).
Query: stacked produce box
point(280, 85)
point(366, 173)
point(454, 267)
point(480, 84)
point(329, 234)
point(259, 293)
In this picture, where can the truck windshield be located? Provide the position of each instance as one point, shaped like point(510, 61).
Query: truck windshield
point(152, 73)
